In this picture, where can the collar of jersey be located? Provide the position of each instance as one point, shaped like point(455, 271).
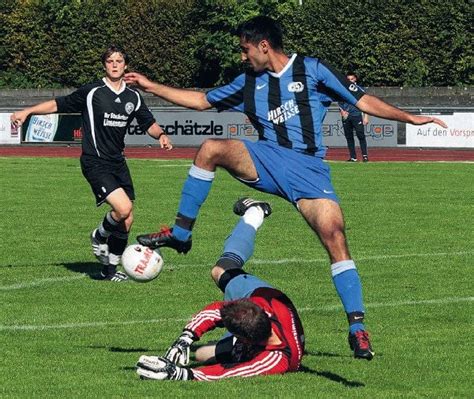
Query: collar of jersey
point(288, 65)
point(122, 86)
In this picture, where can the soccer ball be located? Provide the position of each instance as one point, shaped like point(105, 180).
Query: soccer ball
point(141, 263)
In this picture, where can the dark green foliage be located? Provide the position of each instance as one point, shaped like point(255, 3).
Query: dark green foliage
point(57, 43)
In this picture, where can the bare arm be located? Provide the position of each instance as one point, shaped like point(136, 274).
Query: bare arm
point(375, 106)
point(48, 107)
point(157, 132)
point(365, 118)
point(186, 98)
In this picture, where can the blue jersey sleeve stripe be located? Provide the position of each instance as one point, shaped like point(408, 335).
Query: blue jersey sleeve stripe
point(229, 102)
point(338, 84)
point(229, 96)
point(302, 99)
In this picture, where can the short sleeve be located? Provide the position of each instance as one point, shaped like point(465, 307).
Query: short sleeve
point(230, 96)
point(337, 85)
point(143, 115)
point(74, 102)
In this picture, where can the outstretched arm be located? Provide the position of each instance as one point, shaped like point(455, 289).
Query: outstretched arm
point(375, 106)
point(186, 98)
point(48, 107)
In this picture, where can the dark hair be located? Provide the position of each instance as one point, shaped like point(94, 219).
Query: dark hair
point(114, 49)
point(247, 320)
point(262, 28)
point(350, 73)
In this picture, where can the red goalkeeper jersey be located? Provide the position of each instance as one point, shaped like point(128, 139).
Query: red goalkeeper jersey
point(272, 359)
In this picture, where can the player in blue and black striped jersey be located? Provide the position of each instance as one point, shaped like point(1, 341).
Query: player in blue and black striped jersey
point(286, 99)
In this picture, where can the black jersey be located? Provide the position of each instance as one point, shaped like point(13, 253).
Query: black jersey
point(106, 115)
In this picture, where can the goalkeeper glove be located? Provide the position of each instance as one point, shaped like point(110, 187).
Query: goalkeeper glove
point(178, 353)
point(160, 368)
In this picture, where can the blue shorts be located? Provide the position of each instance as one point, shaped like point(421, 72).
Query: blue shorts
point(242, 286)
point(289, 174)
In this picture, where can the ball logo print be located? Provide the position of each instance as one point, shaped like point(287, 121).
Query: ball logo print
point(141, 263)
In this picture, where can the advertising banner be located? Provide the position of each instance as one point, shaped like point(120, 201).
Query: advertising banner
point(42, 128)
point(191, 128)
point(9, 134)
point(378, 132)
point(459, 134)
point(53, 128)
point(188, 128)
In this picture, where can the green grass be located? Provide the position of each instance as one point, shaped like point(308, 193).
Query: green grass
point(409, 227)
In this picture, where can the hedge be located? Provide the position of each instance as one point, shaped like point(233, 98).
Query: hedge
point(57, 43)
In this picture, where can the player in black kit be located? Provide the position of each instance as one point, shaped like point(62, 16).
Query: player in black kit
point(108, 107)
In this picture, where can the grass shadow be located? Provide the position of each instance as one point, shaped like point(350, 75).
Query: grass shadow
point(333, 377)
point(322, 354)
point(92, 269)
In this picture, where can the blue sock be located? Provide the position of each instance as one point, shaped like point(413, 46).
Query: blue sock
point(195, 191)
point(348, 286)
point(241, 242)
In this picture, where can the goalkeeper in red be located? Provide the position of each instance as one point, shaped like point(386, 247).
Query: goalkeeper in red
point(264, 332)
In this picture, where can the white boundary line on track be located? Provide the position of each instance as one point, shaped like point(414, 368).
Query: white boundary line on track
point(39, 327)
point(36, 283)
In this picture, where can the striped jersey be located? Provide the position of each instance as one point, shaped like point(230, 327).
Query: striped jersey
point(106, 116)
point(288, 108)
point(272, 359)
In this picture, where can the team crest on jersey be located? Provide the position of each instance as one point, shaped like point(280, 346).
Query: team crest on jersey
point(295, 87)
point(353, 87)
point(129, 108)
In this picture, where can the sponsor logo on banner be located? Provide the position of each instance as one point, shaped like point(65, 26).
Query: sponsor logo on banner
point(42, 128)
point(235, 130)
point(77, 134)
point(459, 134)
point(191, 128)
point(9, 133)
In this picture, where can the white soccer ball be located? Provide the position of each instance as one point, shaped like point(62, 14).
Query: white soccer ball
point(141, 263)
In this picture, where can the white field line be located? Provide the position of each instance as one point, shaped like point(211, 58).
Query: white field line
point(362, 258)
point(441, 301)
point(36, 283)
point(39, 327)
point(42, 281)
point(174, 165)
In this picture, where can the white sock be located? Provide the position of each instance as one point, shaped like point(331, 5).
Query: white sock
point(254, 217)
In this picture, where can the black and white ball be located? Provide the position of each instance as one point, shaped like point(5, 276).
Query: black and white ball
point(141, 263)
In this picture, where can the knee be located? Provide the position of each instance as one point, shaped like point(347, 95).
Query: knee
point(210, 150)
point(205, 353)
point(333, 235)
point(124, 213)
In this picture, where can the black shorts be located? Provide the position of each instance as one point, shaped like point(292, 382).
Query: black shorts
point(105, 177)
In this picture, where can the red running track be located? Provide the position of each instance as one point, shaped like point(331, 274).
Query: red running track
point(335, 154)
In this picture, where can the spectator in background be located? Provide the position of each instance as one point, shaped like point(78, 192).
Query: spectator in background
point(354, 119)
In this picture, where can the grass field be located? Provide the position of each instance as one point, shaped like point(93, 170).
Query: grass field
point(410, 229)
